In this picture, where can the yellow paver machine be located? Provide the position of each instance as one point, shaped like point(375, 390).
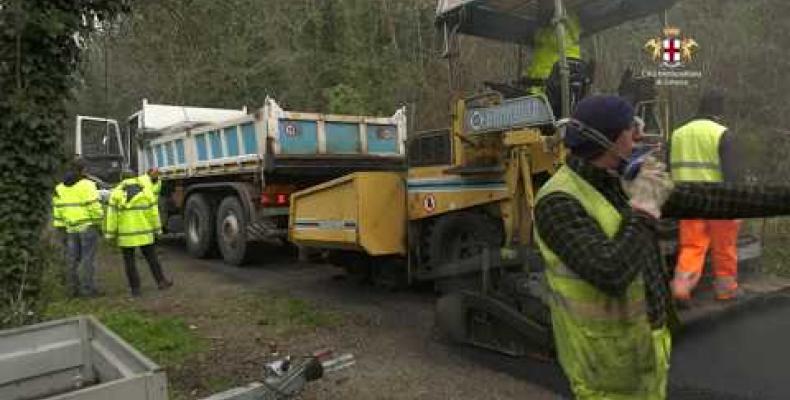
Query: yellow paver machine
point(460, 214)
point(469, 186)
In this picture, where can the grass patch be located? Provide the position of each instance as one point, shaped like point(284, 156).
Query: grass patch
point(159, 325)
point(216, 384)
point(280, 314)
point(298, 313)
point(166, 340)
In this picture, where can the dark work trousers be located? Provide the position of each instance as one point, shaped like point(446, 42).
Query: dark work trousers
point(63, 246)
point(149, 252)
point(81, 251)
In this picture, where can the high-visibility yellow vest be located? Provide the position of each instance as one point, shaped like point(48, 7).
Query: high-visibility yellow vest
point(546, 49)
point(57, 215)
point(694, 153)
point(156, 188)
point(134, 221)
point(605, 344)
point(76, 207)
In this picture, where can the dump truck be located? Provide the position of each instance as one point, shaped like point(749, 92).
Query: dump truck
point(227, 175)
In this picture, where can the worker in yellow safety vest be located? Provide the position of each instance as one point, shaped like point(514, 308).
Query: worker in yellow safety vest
point(597, 229)
point(151, 179)
point(77, 211)
point(133, 221)
point(545, 48)
point(702, 151)
point(57, 219)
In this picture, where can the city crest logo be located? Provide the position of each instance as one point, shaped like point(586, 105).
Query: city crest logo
point(672, 50)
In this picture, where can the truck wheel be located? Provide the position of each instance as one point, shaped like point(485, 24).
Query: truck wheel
point(232, 231)
point(458, 236)
point(199, 221)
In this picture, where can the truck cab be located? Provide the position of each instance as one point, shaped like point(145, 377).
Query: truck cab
point(101, 146)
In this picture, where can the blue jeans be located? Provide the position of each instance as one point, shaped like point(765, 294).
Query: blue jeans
point(81, 251)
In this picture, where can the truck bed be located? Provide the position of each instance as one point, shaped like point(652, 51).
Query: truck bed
point(281, 142)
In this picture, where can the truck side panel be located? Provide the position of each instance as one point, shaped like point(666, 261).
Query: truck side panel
point(227, 147)
point(382, 139)
point(299, 133)
point(298, 137)
point(310, 140)
point(342, 138)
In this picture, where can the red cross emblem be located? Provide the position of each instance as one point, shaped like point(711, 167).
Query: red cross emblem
point(671, 51)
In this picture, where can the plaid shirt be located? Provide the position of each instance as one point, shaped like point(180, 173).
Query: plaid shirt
point(612, 264)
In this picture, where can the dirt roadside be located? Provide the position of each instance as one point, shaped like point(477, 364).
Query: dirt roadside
point(391, 335)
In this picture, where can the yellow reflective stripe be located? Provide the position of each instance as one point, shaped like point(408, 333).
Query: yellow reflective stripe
point(133, 208)
point(133, 233)
point(138, 208)
point(563, 280)
point(80, 204)
point(81, 220)
point(611, 310)
point(695, 165)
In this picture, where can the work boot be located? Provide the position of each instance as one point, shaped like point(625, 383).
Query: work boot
point(136, 293)
point(726, 288)
point(681, 290)
point(164, 284)
point(683, 284)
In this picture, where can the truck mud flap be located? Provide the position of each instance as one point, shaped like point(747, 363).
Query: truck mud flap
point(473, 318)
point(265, 231)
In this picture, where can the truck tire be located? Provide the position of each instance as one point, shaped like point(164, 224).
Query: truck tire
point(457, 236)
point(232, 231)
point(199, 226)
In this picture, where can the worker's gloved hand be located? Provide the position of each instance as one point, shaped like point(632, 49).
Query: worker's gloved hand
point(650, 189)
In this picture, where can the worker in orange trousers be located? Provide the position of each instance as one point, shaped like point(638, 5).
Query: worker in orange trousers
point(702, 151)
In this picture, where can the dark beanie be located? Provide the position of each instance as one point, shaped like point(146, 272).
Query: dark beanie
point(70, 178)
point(610, 115)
